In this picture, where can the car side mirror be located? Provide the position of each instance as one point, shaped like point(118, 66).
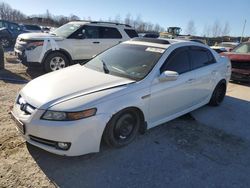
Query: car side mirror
point(168, 76)
point(80, 36)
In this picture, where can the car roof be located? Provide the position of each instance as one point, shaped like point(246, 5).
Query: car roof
point(157, 42)
point(102, 23)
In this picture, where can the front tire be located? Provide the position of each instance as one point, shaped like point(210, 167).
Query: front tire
point(218, 94)
point(55, 61)
point(122, 128)
point(5, 42)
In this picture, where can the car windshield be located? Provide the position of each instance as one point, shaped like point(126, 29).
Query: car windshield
point(66, 30)
point(242, 48)
point(126, 60)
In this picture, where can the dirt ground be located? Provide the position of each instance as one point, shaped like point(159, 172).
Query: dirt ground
point(182, 153)
point(17, 167)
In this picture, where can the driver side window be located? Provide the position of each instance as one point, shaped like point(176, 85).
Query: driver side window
point(177, 61)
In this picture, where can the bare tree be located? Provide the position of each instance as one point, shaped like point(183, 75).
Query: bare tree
point(191, 30)
point(206, 31)
point(216, 29)
point(157, 27)
point(118, 18)
point(226, 29)
point(73, 17)
point(128, 19)
point(8, 13)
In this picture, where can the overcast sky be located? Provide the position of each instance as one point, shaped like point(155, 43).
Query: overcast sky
point(164, 12)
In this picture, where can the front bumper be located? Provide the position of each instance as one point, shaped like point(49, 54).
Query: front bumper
point(83, 135)
point(22, 58)
point(240, 75)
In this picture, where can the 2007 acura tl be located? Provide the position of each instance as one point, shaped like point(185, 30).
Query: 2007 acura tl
point(127, 89)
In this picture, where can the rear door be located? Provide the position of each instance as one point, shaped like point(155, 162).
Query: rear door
point(204, 68)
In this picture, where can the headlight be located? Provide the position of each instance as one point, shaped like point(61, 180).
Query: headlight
point(68, 116)
point(33, 45)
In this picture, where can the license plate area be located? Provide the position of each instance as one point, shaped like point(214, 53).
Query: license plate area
point(19, 124)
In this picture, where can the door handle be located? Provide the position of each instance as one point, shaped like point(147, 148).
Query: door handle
point(191, 80)
point(96, 42)
point(214, 72)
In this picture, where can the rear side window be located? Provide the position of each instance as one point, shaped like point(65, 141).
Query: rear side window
point(178, 61)
point(200, 57)
point(131, 33)
point(109, 33)
point(32, 27)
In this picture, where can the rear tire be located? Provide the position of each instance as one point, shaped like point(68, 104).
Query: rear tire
point(55, 61)
point(122, 128)
point(218, 94)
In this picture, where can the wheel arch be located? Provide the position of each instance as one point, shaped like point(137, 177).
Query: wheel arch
point(64, 52)
point(222, 81)
point(143, 125)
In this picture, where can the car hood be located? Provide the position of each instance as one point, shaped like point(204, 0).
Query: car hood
point(75, 81)
point(237, 56)
point(38, 36)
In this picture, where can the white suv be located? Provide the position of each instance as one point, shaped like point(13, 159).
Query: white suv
point(69, 44)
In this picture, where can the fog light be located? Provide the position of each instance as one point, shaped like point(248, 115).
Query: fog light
point(63, 145)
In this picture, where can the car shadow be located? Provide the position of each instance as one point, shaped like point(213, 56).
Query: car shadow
point(9, 77)
point(240, 83)
point(34, 72)
point(181, 153)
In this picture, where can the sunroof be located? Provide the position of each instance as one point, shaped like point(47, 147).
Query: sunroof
point(152, 40)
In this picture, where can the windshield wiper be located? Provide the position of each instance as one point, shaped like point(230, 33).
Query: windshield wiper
point(105, 68)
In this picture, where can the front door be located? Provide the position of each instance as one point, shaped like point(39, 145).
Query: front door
point(96, 39)
point(171, 97)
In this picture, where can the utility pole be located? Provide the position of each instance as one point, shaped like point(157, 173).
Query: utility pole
point(243, 30)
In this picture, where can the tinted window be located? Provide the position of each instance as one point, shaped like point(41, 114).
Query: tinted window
point(178, 61)
point(109, 33)
point(92, 32)
point(32, 27)
point(131, 33)
point(13, 27)
point(200, 57)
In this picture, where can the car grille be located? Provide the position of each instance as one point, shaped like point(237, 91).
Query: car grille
point(43, 141)
point(240, 65)
point(20, 45)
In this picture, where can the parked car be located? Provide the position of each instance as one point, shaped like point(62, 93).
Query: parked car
point(240, 59)
point(149, 35)
point(127, 89)
point(225, 46)
point(45, 29)
point(71, 43)
point(31, 28)
point(9, 33)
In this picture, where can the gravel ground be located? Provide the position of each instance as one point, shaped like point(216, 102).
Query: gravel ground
point(185, 152)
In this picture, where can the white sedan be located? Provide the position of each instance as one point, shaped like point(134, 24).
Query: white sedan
point(127, 89)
